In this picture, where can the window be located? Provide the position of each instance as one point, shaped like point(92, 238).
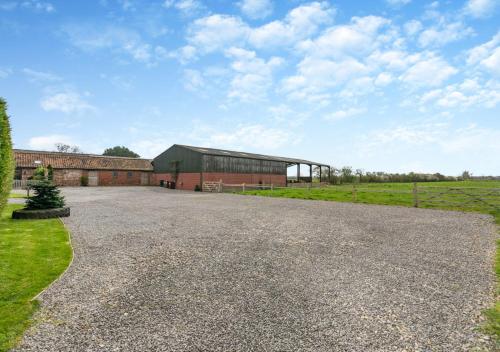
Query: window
point(115, 173)
point(18, 174)
point(130, 174)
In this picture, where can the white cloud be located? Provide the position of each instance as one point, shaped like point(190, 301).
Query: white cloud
point(187, 7)
point(487, 55)
point(315, 76)
point(251, 136)
point(469, 93)
point(429, 71)
point(356, 39)
point(193, 80)
point(34, 5)
point(39, 76)
point(119, 40)
point(217, 32)
point(253, 75)
point(49, 142)
point(413, 27)
point(184, 54)
point(480, 8)
point(343, 114)
point(66, 102)
point(150, 148)
point(444, 33)
point(299, 23)
point(398, 2)
point(383, 79)
point(256, 9)
point(4, 73)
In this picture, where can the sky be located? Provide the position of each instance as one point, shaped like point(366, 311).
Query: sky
point(389, 85)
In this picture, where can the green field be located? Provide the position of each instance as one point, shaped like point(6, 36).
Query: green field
point(33, 253)
point(477, 196)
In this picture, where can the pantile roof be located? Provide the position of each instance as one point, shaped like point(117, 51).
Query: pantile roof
point(33, 158)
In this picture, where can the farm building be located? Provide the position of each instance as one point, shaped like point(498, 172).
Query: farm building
point(70, 167)
point(189, 167)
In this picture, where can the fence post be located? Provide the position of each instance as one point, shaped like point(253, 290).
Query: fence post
point(354, 193)
point(243, 187)
point(272, 187)
point(415, 195)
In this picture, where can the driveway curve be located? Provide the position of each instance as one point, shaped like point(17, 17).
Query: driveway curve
point(161, 270)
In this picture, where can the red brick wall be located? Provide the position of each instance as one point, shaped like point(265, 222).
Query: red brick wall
point(71, 177)
point(157, 177)
point(188, 181)
point(106, 178)
point(67, 177)
point(277, 180)
point(185, 180)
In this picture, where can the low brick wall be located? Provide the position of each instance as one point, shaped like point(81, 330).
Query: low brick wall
point(277, 180)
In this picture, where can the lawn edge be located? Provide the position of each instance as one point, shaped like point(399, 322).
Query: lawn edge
point(70, 242)
point(32, 320)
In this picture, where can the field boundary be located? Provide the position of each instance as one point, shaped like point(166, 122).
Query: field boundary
point(468, 198)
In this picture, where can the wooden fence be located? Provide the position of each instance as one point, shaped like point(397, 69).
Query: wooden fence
point(20, 184)
point(468, 198)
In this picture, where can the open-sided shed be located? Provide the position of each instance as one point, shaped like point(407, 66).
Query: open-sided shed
point(190, 166)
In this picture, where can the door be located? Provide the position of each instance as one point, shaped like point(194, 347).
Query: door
point(144, 178)
point(93, 178)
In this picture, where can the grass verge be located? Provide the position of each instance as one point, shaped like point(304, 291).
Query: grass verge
point(33, 253)
point(17, 195)
point(401, 194)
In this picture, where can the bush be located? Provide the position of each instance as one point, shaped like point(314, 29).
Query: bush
point(6, 156)
point(39, 173)
point(84, 181)
point(47, 196)
point(197, 188)
point(50, 173)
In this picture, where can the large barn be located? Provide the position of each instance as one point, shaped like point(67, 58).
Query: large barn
point(190, 167)
point(69, 168)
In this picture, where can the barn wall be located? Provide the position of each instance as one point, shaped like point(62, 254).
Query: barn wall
point(189, 160)
point(228, 164)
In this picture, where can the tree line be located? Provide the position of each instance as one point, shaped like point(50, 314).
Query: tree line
point(347, 174)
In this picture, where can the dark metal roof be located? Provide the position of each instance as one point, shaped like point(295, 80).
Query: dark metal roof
point(235, 154)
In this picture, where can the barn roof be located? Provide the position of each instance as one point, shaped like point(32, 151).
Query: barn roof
point(32, 158)
point(223, 152)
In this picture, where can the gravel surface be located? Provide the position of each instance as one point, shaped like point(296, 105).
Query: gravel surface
point(162, 270)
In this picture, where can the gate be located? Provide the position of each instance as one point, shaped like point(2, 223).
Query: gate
point(144, 178)
point(93, 178)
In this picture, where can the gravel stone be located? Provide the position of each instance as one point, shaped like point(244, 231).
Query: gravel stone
point(165, 270)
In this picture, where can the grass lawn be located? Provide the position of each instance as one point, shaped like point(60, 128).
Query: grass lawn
point(17, 195)
point(33, 253)
point(401, 194)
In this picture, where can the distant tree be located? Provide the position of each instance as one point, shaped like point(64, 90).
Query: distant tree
point(466, 175)
point(66, 148)
point(6, 156)
point(347, 174)
point(120, 151)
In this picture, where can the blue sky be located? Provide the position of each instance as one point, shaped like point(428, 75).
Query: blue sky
point(394, 85)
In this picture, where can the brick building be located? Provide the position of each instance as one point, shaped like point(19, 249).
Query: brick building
point(190, 166)
point(70, 167)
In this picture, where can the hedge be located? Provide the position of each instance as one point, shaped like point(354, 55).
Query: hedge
point(6, 155)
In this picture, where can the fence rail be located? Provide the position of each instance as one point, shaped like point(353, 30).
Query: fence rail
point(419, 196)
point(23, 184)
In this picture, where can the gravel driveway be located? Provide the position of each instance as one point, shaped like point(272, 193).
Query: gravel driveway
point(161, 270)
